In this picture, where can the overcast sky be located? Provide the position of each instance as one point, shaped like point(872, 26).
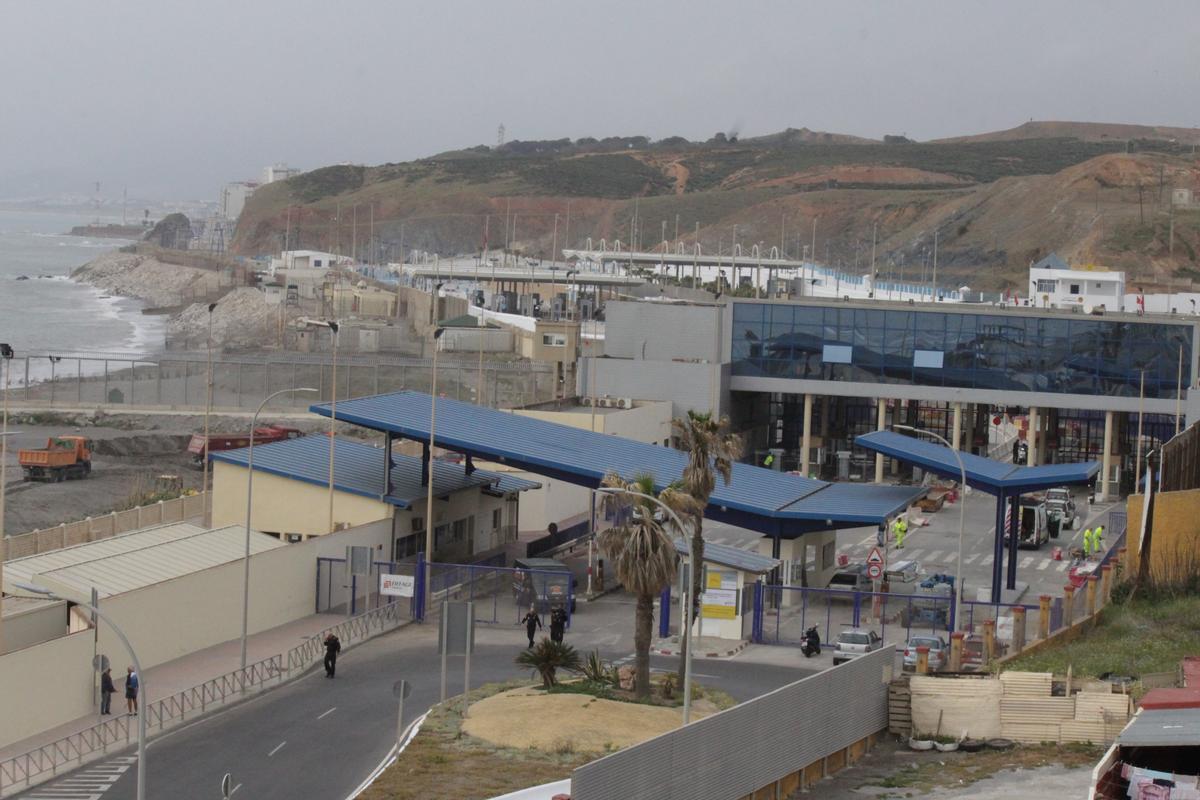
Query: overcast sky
point(174, 98)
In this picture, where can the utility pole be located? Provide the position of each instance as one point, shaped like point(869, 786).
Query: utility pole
point(935, 248)
point(1141, 212)
point(874, 230)
point(814, 240)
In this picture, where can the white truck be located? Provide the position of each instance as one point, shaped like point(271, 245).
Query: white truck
point(1032, 528)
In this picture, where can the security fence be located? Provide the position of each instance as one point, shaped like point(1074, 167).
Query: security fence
point(339, 592)
point(503, 595)
point(767, 747)
point(179, 380)
point(789, 611)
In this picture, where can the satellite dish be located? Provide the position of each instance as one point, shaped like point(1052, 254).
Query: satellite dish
point(1087, 309)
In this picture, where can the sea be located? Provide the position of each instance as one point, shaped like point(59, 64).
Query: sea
point(42, 311)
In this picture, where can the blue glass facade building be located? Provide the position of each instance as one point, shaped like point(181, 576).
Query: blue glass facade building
point(1058, 353)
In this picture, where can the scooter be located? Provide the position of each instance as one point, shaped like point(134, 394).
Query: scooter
point(812, 643)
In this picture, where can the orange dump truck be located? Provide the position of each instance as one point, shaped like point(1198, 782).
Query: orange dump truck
point(63, 457)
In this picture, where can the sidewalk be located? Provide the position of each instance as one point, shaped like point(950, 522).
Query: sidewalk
point(184, 673)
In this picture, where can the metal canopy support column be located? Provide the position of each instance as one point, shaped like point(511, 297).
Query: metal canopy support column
point(1106, 457)
point(1033, 437)
point(387, 464)
point(806, 437)
point(1013, 541)
point(956, 432)
point(425, 463)
point(998, 548)
point(880, 423)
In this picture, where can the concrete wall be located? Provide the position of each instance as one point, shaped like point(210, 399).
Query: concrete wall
point(662, 331)
point(34, 625)
point(1175, 542)
point(282, 505)
point(687, 386)
point(45, 685)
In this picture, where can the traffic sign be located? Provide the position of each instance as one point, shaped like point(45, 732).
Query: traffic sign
point(874, 571)
point(876, 557)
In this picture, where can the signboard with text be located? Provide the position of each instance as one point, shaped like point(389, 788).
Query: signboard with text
point(397, 585)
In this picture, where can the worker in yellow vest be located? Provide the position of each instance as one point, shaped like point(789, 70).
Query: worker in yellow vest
point(900, 530)
point(1087, 542)
point(1098, 540)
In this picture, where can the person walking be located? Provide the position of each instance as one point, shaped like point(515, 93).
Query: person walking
point(333, 646)
point(1087, 542)
point(532, 622)
point(900, 529)
point(558, 624)
point(131, 691)
point(107, 690)
point(1098, 540)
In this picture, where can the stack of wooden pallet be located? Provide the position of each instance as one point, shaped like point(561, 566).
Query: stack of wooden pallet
point(1099, 717)
point(961, 706)
point(899, 707)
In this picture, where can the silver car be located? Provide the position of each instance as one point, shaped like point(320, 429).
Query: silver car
point(855, 642)
point(939, 653)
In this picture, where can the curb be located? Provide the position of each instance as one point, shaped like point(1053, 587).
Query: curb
point(666, 651)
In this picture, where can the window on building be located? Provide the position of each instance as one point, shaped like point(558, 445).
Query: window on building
point(929, 359)
point(441, 535)
point(316, 262)
point(837, 353)
point(497, 519)
point(554, 340)
point(1047, 285)
point(1074, 288)
point(407, 546)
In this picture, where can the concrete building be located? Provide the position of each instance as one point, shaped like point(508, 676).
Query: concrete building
point(305, 260)
point(475, 511)
point(804, 377)
point(234, 196)
point(1053, 284)
point(278, 172)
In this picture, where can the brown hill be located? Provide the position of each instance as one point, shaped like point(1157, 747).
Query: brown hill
point(1084, 131)
point(996, 205)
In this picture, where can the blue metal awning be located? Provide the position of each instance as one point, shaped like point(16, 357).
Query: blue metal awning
point(359, 469)
point(727, 556)
point(994, 477)
point(770, 502)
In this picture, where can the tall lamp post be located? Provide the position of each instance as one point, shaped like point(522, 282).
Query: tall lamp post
point(962, 510)
point(6, 355)
point(333, 343)
point(207, 412)
point(249, 501)
point(141, 733)
point(437, 334)
point(685, 616)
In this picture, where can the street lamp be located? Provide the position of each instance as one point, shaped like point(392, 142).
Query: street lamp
point(6, 356)
point(333, 336)
point(685, 617)
point(249, 499)
point(141, 734)
point(962, 510)
point(437, 334)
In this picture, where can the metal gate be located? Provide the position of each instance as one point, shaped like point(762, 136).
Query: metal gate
point(341, 593)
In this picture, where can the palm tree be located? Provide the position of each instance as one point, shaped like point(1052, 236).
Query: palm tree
point(642, 554)
point(547, 657)
point(712, 450)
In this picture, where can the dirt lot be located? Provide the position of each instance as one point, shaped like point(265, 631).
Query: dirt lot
point(131, 451)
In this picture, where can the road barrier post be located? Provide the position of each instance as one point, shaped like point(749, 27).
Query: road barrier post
point(1092, 582)
point(1043, 616)
point(922, 659)
point(956, 648)
point(1018, 637)
point(1106, 583)
point(1068, 605)
point(989, 640)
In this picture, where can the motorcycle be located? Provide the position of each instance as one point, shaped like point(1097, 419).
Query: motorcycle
point(812, 643)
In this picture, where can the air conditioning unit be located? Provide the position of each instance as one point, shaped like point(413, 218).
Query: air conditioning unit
point(623, 402)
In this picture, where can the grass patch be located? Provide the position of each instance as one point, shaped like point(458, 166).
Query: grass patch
point(606, 691)
point(441, 761)
point(1150, 634)
point(961, 769)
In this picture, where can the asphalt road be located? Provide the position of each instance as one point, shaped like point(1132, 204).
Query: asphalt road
point(319, 738)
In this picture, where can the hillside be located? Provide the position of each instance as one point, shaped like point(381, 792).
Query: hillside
point(996, 204)
point(1084, 131)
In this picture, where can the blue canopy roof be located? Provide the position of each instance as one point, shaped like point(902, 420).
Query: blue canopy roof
point(761, 499)
point(994, 477)
point(358, 469)
point(728, 556)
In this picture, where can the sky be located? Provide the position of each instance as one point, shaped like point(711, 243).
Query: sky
point(173, 99)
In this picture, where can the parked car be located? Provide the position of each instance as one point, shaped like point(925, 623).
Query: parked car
point(939, 653)
point(851, 578)
point(1060, 509)
point(855, 642)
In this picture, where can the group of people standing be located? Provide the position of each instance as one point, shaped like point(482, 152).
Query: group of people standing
point(558, 624)
point(108, 689)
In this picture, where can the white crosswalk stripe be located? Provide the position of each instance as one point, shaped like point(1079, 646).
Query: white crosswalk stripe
point(1062, 566)
point(987, 560)
point(910, 554)
point(933, 556)
point(971, 558)
point(1044, 564)
point(90, 784)
point(1025, 563)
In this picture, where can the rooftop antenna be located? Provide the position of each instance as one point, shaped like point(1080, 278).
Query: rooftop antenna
point(500, 136)
point(96, 202)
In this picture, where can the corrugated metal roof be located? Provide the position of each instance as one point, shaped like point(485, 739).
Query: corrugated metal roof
point(1168, 728)
point(727, 556)
point(982, 473)
point(164, 560)
point(767, 498)
point(24, 569)
point(358, 469)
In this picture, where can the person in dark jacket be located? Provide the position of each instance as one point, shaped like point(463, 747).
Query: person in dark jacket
point(333, 646)
point(532, 623)
point(558, 624)
point(132, 684)
point(107, 690)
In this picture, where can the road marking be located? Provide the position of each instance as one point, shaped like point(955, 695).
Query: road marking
point(970, 558)
point(90, 784)
point(233, 791)
point(1062, 567)
point(912, 554)
point(933, 556)
point(278, 747)
point(327, 713)
point(1026, 562)
point(987, 560)
point(1045, 564)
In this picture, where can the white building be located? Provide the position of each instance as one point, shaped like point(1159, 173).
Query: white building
point(234, 196)
point(278, 172)
point(305, 259)
point(1053, 284)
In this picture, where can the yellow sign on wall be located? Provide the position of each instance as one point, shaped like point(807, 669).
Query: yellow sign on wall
point(720, 604)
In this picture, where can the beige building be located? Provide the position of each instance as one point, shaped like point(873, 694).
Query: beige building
point(475, 511)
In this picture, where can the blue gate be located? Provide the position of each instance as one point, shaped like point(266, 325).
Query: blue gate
point(783, 613)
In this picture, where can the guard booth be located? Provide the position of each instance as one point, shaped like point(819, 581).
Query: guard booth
point(730, 577)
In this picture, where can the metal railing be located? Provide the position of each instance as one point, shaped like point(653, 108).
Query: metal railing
point(41, 763)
